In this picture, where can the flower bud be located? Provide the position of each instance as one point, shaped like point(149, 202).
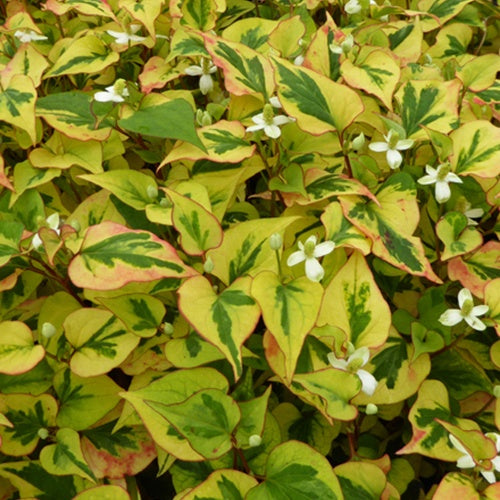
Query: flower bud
point(275, 241)
point(43, 433)
point(152, 192)
point(208, 265)
point(371, 409)
point(358, 142)
point(254, 440)
point(496, 391)
point(165, 203)
point(48, 330)
point(168, 328)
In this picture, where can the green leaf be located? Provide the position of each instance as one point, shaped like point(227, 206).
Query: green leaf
point(199, 14)
point(150, 120)
point(226, 320)
point(318, 104)
point(360, 308)
point(457, 236)
point(105, 492)
point(253, 415)
point(10, 238)
point(35, 381)
point(100, 340)
point(361, 480)
point(112, 255)
point(83, 401)
point(65, 457)
point(295, 470)
point(425, 340)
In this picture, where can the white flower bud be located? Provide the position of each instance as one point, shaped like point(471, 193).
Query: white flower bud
point(168, 328)
point(254, 440)
point(208, 265)
point(48, 330)
point(371, 409)
point(152, 192)
point(275, 241)
point(358, 142)
point(43, 433)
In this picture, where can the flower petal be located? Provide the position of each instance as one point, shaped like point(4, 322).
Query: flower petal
point(272, 131)
point(479, 310)
point(275, 102)
point(282, 120)
point(194, 70)
point(404, 144)
point(53, 220)
point(312, 239)
point(368, 381)
point(427, 180)
point(489, 475)
point(442, 192)
point(474, 213)
point(458, 445)
point(394, 158)
point(314, 270)
point(466, 462)
point(463, 295)
point(475, 323)
point(451, 177)
point(340, 364)
point(362, 353)
point(295, 258)
point(324, 248)
point(254, 128)
point(206, 84)
point(431, 171)
point(107, 97)
point(378, 147)
point(36, 242)
point(451, 317)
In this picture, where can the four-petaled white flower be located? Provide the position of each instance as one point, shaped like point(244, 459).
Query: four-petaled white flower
point(268, 122)
point(114, 93)
point(352, 7)
point(343, 47)
point(310, 253)
point(124, 38)
point(203, 70)
point(26, 36)
point(53, 223)
point(392, 147)
point(441, 176)
point(354, 363)
point(467, 311)
point(467, 462)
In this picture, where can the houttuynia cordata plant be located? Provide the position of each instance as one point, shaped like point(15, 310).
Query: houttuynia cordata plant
point(249, 249)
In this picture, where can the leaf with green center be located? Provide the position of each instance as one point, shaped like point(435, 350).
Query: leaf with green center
point(17, 104)
point(476, 149)
point(318, 104)
point(476, 271)
point(431, 103)
point(100, 340)
point(63, 152)
point(112, 255)
point(480, 72)
point(425, 340)
point(375, 71)
point(398, 376)
point(65, 457)
point(10, 238)
point(207, 420)
point(130, 186)
point(361, 480)
point(18, 352)
point(430, 438)
point(390, 224)
point(71, 114)
point(245, 70)
point(27, 414)
point(226, 320)
point(33, 481)
point(245, 248)
point(223, 142)
point(457, 236)
point(116, 454)
point(27, 178)
point(442, 11)
point(457, 485)
point(289, 311)
point(149, 119)
point(293, 180)
point(200, 14)
point(145, 13)
point(360, 309)
point(329, 391)
point(86, 7)
point(252, 31)
point(35, 381)
point(87, 54)
point(295, 470)
point(26, 61)
point(405, 40)
point(83, 401)
point(199, 228)
point(173, 388)
point(140, 313)
point(226, 484)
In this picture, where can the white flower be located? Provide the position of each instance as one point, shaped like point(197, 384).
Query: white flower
point(299, 60)
point(354, 364)
point(310, 252)
point(124, 38)
point(467, 462)
point(268, 122)
point(352, 7)
point(441, 176)
point(26, 36)
point(254, 440)
point(343, 47)
point(275, 102)
point(392, 147)
point(203, 70)
point(471, 213)
point(114, 93)
point(467, 311)
point(53, 223)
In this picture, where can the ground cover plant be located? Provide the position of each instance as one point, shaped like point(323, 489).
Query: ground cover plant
point(249, 249)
